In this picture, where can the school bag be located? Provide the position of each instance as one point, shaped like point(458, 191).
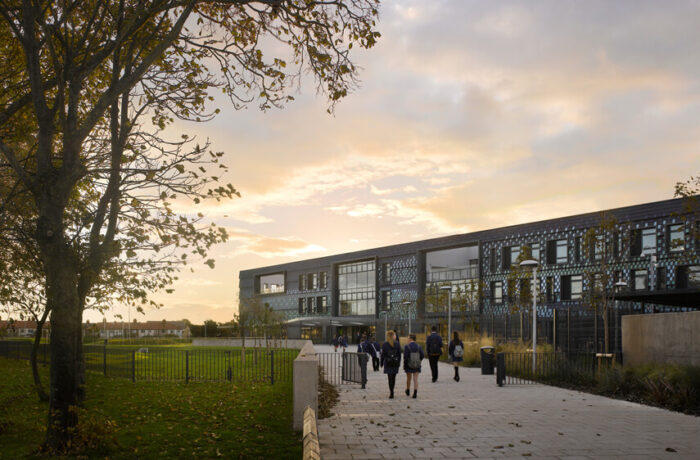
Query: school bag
point(414, 360)
point(392, 358)
point(458, 352)
point(434, 348)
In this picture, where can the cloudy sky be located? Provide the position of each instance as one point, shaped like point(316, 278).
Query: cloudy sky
point(470, 115)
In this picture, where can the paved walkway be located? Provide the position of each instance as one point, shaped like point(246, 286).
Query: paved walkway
point(476, 419)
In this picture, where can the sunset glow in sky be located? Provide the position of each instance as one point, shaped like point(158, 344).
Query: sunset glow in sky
point(470, 115)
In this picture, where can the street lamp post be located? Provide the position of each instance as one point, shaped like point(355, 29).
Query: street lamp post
point(448, 289)
point(533, 264)
point(407, 305)
point(385, 313)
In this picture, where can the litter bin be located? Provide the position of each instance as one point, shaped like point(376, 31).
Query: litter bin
point(488, 360)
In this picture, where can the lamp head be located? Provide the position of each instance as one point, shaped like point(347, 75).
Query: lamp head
point(620, 284)
point(445, 288)
point(529, 263)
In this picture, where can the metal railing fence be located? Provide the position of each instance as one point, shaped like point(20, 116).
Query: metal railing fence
point(516, 368)
point(259, 365)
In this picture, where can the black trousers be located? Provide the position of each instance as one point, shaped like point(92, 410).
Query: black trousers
point(375, 364)
point(392, 381)
point(434, 366)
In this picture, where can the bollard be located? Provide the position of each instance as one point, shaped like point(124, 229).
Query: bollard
point(500, 369)
point(272, 367)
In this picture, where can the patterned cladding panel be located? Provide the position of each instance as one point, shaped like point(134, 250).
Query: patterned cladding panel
point(404, 270)
point(625, 265)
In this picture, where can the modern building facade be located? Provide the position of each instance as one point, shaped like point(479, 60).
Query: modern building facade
point(652, 248)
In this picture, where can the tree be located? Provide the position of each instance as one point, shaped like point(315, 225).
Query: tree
point(690, 192)
point(79, 79)
point(258, 318)
point(603, 246)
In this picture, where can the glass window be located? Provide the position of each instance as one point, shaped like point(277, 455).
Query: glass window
point(576, 286)
point(577, 249)
point(534, 251)
point(356, 288)
point(311, 305)
point(322, 303)
point(550, 289)
point(452, 264)
point(661, 278)
point(302, 282)
point(639, 280)
point(324, 280)
point(557, 252)
point(302, 305)
point(693, 280)
point(562, 255)
point(688, 277)
point(598, 248)
point(313, 281)
point(271, 284)
point(676, 239)
point(497, 292)
point(386, 273)
point(492, 260)
point(648, 241)
point(514, 254)
point(386, 299)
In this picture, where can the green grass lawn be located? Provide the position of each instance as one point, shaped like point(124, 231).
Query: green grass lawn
point(155, 419)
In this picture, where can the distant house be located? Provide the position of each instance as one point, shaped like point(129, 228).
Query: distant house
point(135, 329)
point(13, 328)
point(104, 330)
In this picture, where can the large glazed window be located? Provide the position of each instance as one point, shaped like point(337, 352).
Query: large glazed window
point(457, 267)
point(356, 288)
point(452, 264)
point(271, 284)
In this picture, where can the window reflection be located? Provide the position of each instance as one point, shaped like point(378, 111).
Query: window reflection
point(356, 288)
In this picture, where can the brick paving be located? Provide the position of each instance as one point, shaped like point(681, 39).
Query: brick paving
point(474, 418)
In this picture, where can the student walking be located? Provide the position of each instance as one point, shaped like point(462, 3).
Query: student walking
point(391, 360)
point(412, 357)
point(434, 345)
point(374, 350)
point(456, 350)
point(336, 343)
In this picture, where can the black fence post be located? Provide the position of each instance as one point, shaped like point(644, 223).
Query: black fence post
point(229, 374)
point(500, 369)
point(187, 366)
point(272, 367)
point(133, 366)
point(363, 368)
point(104, 358)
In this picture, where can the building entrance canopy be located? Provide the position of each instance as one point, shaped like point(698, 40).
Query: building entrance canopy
point(335, 321)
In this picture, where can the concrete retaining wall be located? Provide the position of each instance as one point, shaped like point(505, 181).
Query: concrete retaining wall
point(305, 383)
point(249, 342)
point(672, 338)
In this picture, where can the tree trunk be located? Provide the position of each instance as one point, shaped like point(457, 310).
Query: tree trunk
point(43, 397)
point(66, 317)
point(606, 331)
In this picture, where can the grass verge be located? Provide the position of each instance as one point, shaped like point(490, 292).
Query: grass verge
point(124, 420)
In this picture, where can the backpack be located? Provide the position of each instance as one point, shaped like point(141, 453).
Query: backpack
point(458, 351)
point(392, 358)
point(434, 348)
point(414, 360)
